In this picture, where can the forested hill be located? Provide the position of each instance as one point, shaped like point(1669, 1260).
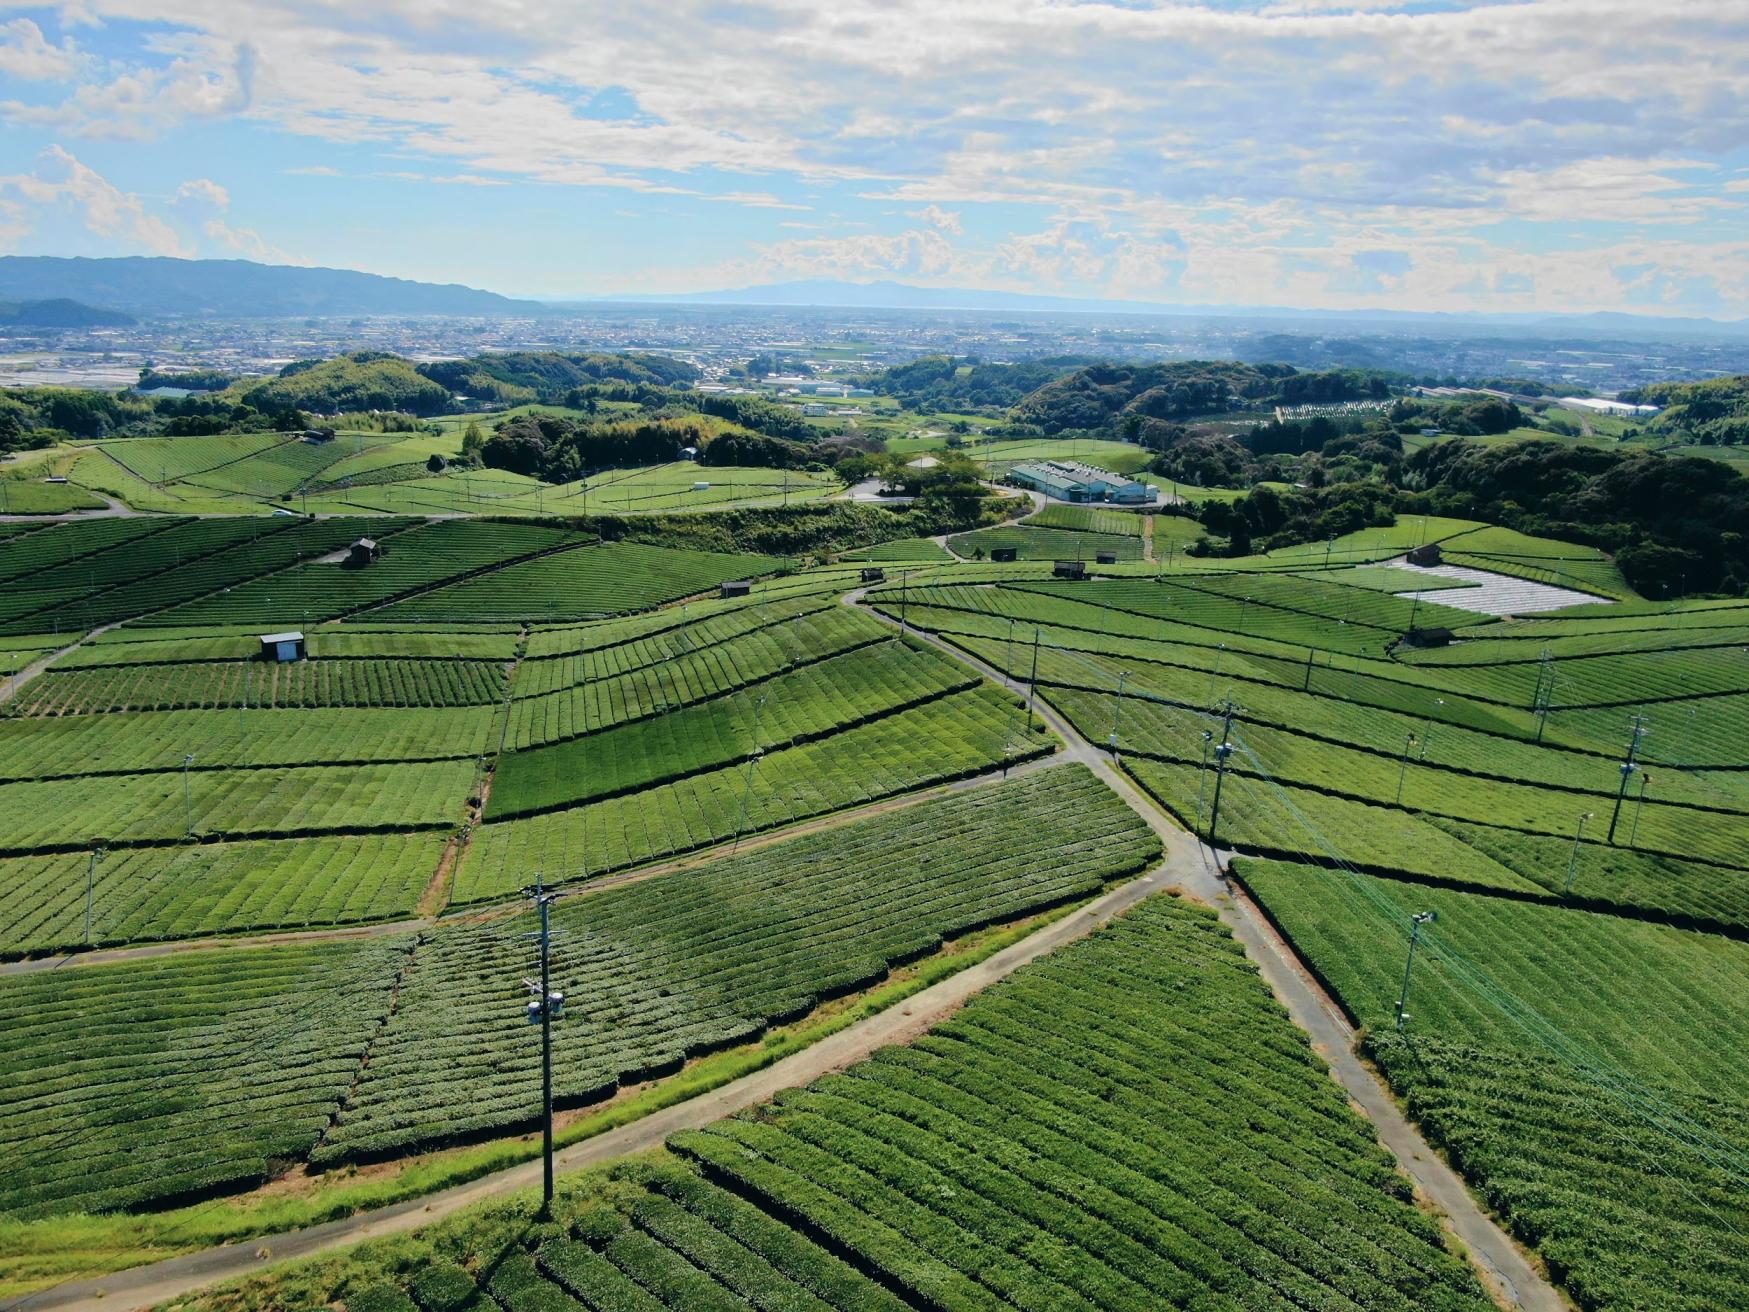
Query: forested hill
point(156, 286)
point(1127, 397)
point(1713, 413)
point(376, 380)
point(59, 312)
point(947, 382)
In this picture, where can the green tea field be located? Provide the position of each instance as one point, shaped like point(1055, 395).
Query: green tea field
point(961, 936)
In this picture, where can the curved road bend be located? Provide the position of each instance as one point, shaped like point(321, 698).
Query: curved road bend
point(1502, 1264)
point(1514, 1282)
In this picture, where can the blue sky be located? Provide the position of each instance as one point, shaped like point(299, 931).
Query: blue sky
point(1551, 155)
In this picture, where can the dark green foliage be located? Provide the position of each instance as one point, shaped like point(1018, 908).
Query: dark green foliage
point(193, 380)
point(1675, 523)
point(70, 411)
point(1266, 518)
point(946, 382)
point(558, 448)
point(516, 376)
point(362, 380)
point(756, 414)
point(1713, 412)
point(1104, 396)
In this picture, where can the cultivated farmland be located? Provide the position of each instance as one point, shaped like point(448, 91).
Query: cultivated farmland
point(285, 906)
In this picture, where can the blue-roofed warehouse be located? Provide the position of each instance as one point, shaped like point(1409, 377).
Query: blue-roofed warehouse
point(1070, 480)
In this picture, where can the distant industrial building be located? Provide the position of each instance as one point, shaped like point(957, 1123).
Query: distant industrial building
point(1597, 405)
point(1070, 480)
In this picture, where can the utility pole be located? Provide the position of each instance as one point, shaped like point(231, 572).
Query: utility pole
point(1634, 833)
point(90, 879)
point(1427, 729)
point(187, 809)
point(1306, 685)
point(1032, 680)
point(1545, 689)
point(1627, 770)
point(1417, 920)
point(1215, 677)
point(1208, 738)
point(1222, 752)
point(1117, 713)
point(904, 596)
point(747, 789)
point(1573, 857)
point(544, 1007)
point(1403, 770)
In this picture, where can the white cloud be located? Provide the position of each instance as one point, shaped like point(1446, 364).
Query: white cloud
point(936, 217)
point(27, 55)
point(206, 77)
point(1166, 149)
point(198, 192)
point(246, 242)
point(61, 181)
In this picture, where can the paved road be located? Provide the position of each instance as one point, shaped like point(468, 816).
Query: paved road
point(1503, 1266)
point(145, 1286)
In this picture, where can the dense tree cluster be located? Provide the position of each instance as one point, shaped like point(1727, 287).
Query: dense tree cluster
point(360, 380)
point(192, 380)
point(1122, 398)
point(946, 382)
point(560, 448)
point(517, 377)
point(1674, 523)
point(1267, 518)
point(1712, 413)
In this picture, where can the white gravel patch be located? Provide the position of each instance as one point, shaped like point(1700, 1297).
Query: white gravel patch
point(1494, 594)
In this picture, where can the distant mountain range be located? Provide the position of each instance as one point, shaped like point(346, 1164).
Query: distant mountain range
point(828, 293)
point(156, 287)
point(59, 312)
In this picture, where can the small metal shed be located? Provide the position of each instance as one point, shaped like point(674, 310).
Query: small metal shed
point(1105, 558)
point(288, 646)
point(1427, 555)
point(1005, 555)
point(873, 574)
point(1069, 569)
point(364, 552)
point(737, 588)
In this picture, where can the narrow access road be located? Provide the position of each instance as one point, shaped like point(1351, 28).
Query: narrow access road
point(146, 1286)
point(10, 686)
point(1515, 1283)
point(1505, 1269)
